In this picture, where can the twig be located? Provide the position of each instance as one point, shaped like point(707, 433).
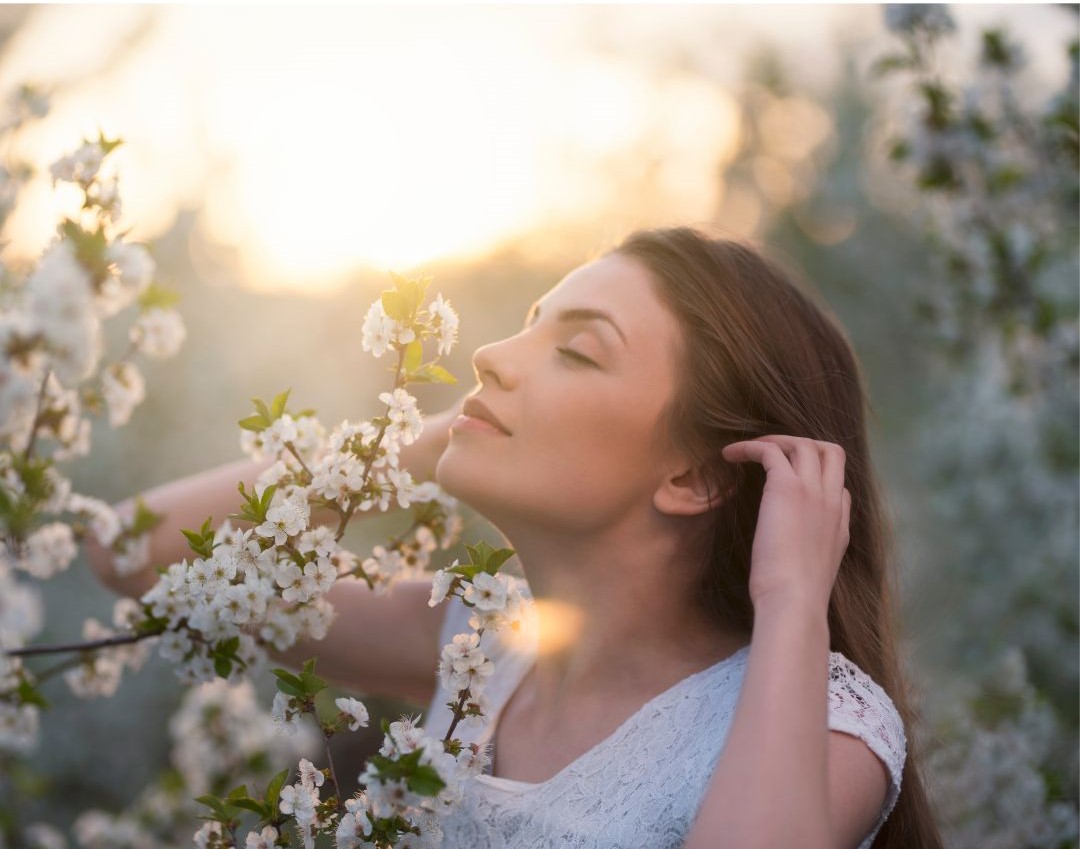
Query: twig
point(57, 648)
point(367, 466)
point(37, 416)
point(299, 459)
point(56, 669)
point(330, 760)
point(459, 714)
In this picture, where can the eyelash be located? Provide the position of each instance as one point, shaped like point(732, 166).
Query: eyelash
point(574, 355)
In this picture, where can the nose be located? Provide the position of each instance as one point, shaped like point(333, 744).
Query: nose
point(492, 363)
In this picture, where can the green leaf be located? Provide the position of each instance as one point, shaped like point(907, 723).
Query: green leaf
point(29, 695)
point(479, 553)
point(394, 306)
point(158, 296)
point(222, 666)
point(277, 406)
point(313, 684)
point(273, 789)
point(432, 373)
point(267, 497)
point(414, 353)
point(145, 519)
point(237, 793)
point(255, 806)
point(497, 559)
point(289, 684)
point(214, 804)
point(264, 411)
point(108, 145)
point(255, 423)
point(425, 781)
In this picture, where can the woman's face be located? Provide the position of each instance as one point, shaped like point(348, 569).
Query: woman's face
point(581, 390)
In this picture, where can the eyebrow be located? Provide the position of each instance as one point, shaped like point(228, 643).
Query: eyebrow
point(578, 314)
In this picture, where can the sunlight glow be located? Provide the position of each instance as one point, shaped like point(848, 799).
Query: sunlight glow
point(324, 139)
point(557, 625)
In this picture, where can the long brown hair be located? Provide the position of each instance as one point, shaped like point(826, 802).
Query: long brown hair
point(762, 356)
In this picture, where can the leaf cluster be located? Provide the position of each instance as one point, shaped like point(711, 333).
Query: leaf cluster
point(266, 414)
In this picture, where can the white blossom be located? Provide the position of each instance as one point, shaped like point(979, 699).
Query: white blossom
point(444, 320)
point(378, 330)
point(261, 840)
point(101, 518)
point(134, 266)
point(440, 585)
point(48, 550)
point(463, 665)
point(124, 389)
point(60, 305)
point(486, 592)
point(406, 422)
point(355, 710)
point(80, 166)
point(158, 332)
point(41, 835)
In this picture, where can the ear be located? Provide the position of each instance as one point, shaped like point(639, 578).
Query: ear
point(687, 493)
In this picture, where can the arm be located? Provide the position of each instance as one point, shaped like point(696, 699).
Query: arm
point(782, 778)
point(188, 501)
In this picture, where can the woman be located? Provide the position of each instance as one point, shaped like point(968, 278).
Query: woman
point(675, 446)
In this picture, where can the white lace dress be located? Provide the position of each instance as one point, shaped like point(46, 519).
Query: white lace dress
point(642, 785)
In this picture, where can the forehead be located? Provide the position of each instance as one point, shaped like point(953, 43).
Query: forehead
point(620, 286)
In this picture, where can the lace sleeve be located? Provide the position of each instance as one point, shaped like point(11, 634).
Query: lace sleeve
point(860, 707)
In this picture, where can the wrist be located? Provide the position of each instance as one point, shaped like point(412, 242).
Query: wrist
point(790, 605)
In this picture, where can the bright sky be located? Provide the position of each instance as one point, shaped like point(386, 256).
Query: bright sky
point(323, 138)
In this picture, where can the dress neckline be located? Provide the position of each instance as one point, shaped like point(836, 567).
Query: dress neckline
point(488, 733)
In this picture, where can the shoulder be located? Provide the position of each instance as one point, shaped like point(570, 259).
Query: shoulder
point(860, 708)
point(858, 705)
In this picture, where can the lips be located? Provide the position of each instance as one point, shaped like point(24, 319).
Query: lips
point(478, 410)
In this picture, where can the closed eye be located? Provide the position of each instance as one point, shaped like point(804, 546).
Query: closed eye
point(574, 355)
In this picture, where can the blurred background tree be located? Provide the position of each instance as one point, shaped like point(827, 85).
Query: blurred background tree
point(912, 165)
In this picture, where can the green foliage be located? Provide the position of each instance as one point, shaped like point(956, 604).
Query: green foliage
point(255, 506)
point(267, 414)
point(144, 519)
point(202, 540)
point(403, 301)
point(419, 778)
point(224, 655)
point(304, 686)
point(158, 296)
point(90, 248)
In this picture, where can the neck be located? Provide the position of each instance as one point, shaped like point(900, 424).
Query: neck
point(615, 610)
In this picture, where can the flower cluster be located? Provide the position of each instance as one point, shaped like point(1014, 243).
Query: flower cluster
point(220, 737)
point(54, 376)
point(993, 781)
point(998, 173)
point(99, 673)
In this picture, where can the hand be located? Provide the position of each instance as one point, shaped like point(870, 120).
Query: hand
point(802, 526)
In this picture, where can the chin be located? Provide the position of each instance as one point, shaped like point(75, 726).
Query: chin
point(460, 479)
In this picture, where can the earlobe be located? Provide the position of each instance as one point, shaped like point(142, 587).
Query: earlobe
point(688, 494)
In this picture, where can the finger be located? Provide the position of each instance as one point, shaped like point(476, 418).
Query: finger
point(803, 455)
point(833, 462)
point(769, 454)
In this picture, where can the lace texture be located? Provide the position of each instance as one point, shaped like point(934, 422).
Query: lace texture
point(641, 786)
